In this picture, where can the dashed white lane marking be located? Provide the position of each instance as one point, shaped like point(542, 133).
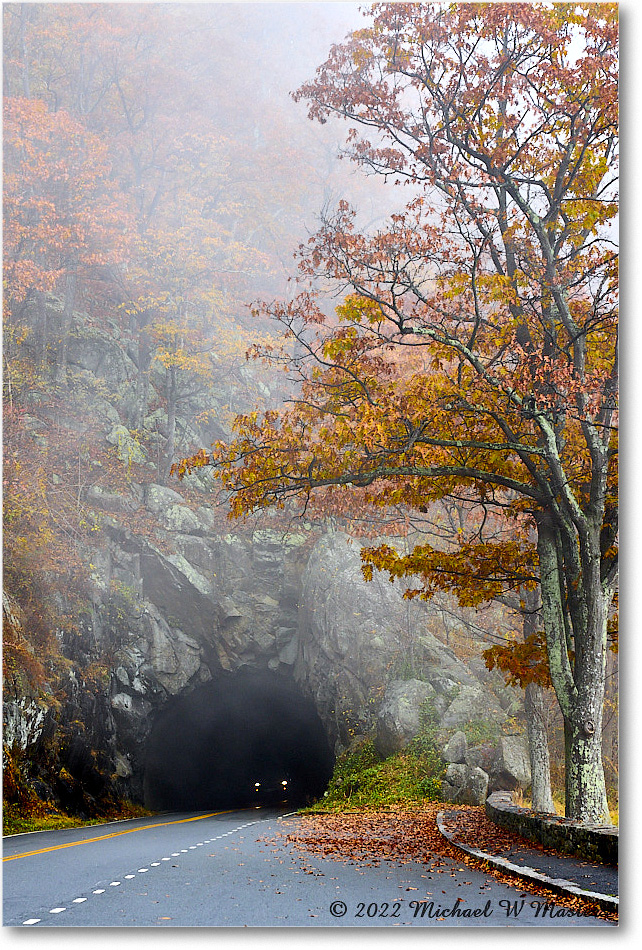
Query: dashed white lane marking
point(175, 854)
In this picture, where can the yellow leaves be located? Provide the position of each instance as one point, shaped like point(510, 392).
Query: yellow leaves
point(456, 285)
point(476, 572)
point(338, 346)
point(498, 288)
point(358, 310)
point(187, 465)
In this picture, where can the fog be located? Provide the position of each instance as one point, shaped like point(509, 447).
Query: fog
point(159, 179)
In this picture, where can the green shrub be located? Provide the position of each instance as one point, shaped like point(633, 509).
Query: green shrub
point(363, 779)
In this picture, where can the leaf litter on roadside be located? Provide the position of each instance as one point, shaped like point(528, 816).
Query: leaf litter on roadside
point(399, 835)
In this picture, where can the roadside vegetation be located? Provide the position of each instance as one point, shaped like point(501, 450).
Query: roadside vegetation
point(15, 821)
point(362, 779)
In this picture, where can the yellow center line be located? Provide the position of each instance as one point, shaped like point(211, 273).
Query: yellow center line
point(114, 834)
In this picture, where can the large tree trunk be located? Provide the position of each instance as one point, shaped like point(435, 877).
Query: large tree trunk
point(538, 749)
point(143, 364)
point(575, 619)
point(585, 785)
point(535, 716)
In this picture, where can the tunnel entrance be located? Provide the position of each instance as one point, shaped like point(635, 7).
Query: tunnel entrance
point(244, 738)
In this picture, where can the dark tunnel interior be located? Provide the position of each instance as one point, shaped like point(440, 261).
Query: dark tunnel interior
point(243, 738)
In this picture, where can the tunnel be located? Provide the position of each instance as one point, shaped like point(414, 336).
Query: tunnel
point(241, 739)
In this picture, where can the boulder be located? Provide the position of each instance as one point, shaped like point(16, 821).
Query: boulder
point(475, 790)
point(129, 450)
point(398, 719)
point(456, 775)
point(483, 756)
point(464, 785)
point(110, 501)
point(455, 748)
point(511, 769)
point(473, 703)
point(181, 519)
point(158, 498)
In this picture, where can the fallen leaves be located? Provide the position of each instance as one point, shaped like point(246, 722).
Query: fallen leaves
point(400, 836)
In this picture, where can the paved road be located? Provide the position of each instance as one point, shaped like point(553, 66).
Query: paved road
point(231, 869)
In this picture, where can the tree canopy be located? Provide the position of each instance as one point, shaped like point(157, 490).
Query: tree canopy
point(474, 353)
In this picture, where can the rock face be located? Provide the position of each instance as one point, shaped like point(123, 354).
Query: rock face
point(180, 605)
point(353, 636)
point(186, 608)
point(222, 604)
point(175, 602)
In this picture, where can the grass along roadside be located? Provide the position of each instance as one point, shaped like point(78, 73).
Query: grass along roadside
point(15, 823)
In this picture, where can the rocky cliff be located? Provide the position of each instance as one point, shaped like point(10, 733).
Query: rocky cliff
point(172, 601)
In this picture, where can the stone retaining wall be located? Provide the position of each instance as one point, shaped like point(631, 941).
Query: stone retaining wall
point(592, 842)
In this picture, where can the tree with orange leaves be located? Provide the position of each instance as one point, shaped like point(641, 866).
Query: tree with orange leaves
point(63, 219)
point(476, 353)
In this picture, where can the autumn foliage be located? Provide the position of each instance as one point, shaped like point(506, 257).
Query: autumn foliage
point(147, 200)
point(474, 356)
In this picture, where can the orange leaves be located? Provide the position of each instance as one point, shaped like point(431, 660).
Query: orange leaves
point(60, 204)
point(473, 358)
point(474, 571)
point(188, 465)
point(524, 662)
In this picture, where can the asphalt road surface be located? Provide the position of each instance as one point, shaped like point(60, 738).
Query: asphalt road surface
point(231, 869)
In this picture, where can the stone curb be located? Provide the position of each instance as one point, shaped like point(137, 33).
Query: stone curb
point(567, 836)
point(558, 885)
